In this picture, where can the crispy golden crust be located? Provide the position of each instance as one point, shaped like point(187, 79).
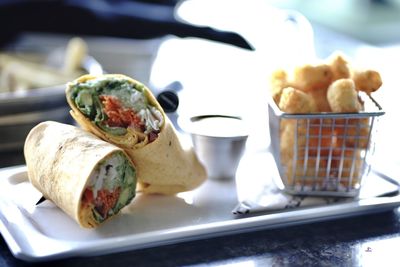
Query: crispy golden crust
point(277, 82)
point(312, 77)
point(339, 66)
point(342, 96)
point(296, 101)
point(337, 144)
point(367, 81)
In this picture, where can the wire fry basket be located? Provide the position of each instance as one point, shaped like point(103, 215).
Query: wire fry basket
point(323, 154)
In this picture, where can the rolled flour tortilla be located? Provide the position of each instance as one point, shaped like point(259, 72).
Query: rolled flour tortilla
point(89, 179)
point(124, 112)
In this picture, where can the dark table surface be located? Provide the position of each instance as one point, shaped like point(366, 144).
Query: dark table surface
point(361, 241)
point(367, 240)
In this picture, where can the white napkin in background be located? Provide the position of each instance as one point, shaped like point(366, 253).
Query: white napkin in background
point(258, 193)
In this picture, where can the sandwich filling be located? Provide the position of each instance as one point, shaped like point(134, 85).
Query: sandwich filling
point(111, 187)
point(116, 105)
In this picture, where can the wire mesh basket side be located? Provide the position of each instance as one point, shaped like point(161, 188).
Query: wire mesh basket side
point(324, 154)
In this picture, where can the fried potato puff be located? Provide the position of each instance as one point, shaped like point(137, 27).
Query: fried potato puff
point(367, 81)
point(314, 80)
point(312, 77)
point(278, 81)
point(321, 137)
point(320, 99)
point(342, 96)
point(346, 165)
point(292, 139)
point(306, 173)
point(314, 146)
point(355, 132)
point(287, 140)
point(339, 66)
point(322, 151)
point(296, 101)
point(293, 101)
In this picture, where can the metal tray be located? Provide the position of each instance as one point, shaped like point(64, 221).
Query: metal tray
point(44, 232)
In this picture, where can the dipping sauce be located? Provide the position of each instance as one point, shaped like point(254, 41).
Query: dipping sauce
point(219, 142)
point(218, 126)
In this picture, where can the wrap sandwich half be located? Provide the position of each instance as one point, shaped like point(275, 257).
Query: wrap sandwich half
point(124, 112)
point(88, 178)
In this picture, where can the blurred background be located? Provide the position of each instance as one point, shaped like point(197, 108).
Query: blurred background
point(373, 21)
point(214, 56)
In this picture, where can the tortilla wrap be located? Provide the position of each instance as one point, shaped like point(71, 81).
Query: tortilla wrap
point(63, 160)
point(163, 165)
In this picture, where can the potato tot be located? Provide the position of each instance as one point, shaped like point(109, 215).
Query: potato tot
point(354, 132)
point(309, 77)
point(321, 137)
point(278, 81)
point(339, 66)
point(290, 135)
point(323, 172)
point(367, 81)
point(316, 142)
point(346, 166)
point(324, 152)
point(308, 174)
point(287, 139)
point(320, 99)
point(342, 96)
point(296, 101)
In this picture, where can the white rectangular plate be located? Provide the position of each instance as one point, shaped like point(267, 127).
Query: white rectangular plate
point(44, 232)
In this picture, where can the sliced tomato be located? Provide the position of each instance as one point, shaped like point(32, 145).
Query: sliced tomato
point(118, 116)
point(87, 196)
point(106, 200)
